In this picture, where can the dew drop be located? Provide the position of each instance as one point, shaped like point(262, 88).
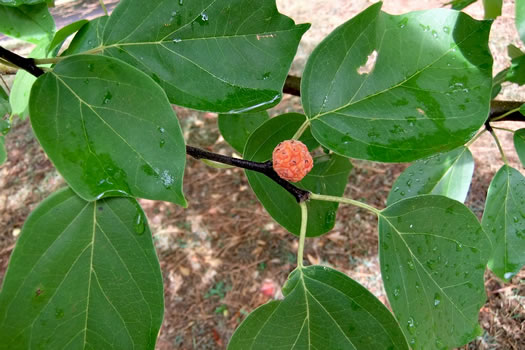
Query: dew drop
point(162, 143)
point(107, 97)
point(397, 292)
point(139, 224)
point(435, 34)
point(177, 40)
point(437, 299)
point(59, 313)
point(516, 219)
point(459, 247)
point(410, 264)
point(411, 326)
point(161, 129)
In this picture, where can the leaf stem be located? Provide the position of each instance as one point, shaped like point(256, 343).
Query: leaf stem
point(322, 197)
point(103, 6)
point(493, 133)
point(265, 168)
point(302, 234)
point(505, 114)
point(51, 60)
point(301, 130)
point(504, 129)
point(472, 140)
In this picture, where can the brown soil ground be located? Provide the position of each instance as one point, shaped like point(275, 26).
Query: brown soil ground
point(217, 254)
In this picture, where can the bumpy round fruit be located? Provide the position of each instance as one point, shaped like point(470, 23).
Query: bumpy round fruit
point(291, 160)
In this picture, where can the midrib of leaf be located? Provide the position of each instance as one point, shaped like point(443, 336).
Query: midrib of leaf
point(398, 84)
point(105, 123)
point(91, 271)
point(422, 267)
point(448, 171)
point(307, 305)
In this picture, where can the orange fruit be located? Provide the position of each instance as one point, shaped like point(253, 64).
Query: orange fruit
point(291, 160)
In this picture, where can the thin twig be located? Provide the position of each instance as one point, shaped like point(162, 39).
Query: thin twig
point(265, 168)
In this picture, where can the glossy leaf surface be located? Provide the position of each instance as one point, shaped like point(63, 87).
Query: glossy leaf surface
point(504, 221)
point(322, 309)
point(29, 23)
point(237, 128)
point(519, 144)
point(239, 50)
point(433, 254)
point(448, 174)
point(428, 90)
point(328, 176)
point(83, 275)
point(109, 129)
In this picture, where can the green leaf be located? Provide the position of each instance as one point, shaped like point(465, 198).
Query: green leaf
point(519, 143)
point(5, 108)
point(516, 72)
point(322, 309)
point(64, 33)
point(329, 176)
point(460, 4)
point(522, 109)
point(504, 220)
point(239, 50)
point(428, 92)
point(492, 8)
point(3, 152)
point(109, 130)
point(520, 18)
point(237, 128)
point(17, 3)
point(88, 37)
point(448, 174)
point(514, 52)
point(21, 89)
point(433, 254)
point(29, 23)
point(82, 275)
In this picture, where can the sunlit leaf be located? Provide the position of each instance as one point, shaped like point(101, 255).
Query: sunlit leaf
point(516, 72)
point(83, 275)
point(329, 176)
point(237, 128)
point(109, 130)
point(29, 23)
point(218, 55)
point(322, 309)
point(448, 174)
point(504, 221)
point(433, 254)
point(427, 91)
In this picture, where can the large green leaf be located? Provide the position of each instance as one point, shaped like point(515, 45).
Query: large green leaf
point(516, 71)
point(329, 176)
point(237, 128)
point(428, 92)
point(83, 275)
point(433, 254)
point(109, 129)
point(448, 174)
point(520, 18)
point(519, 144)
point(29, 23)
point(322, 309)
point(217, 55)
point(88, 37)
point(504, 220)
